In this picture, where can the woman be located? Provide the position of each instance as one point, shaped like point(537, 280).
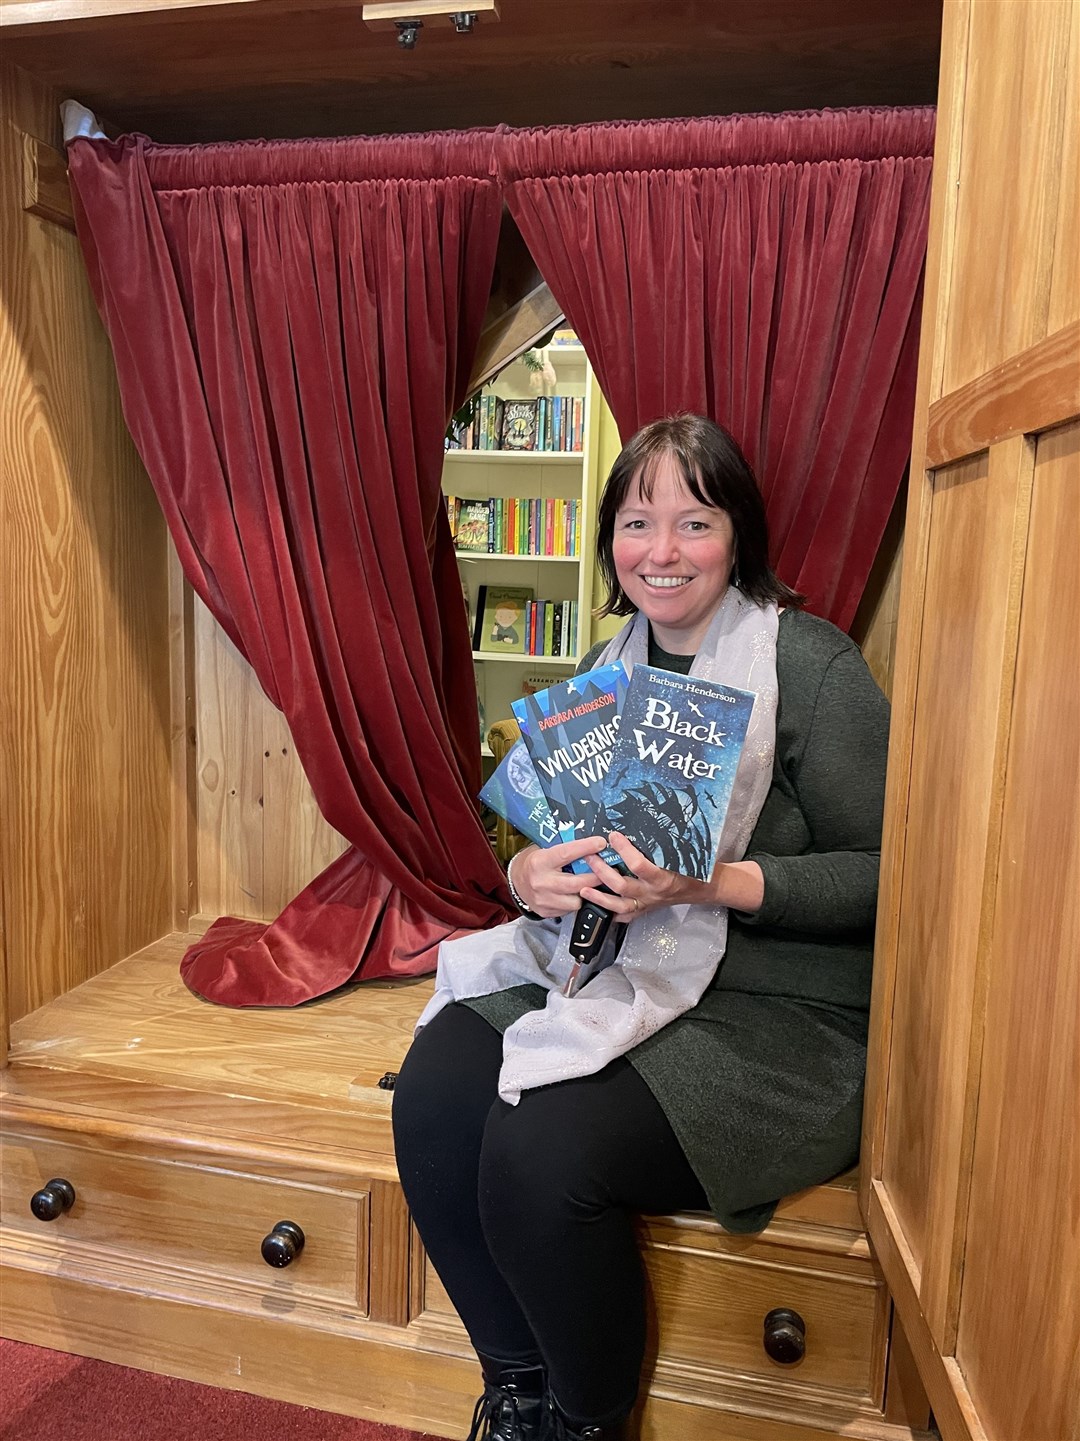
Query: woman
point(720, 1064)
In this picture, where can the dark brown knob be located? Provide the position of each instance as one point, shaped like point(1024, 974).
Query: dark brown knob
point(785, 1336)
point(283, 1245)
point(54, 1198)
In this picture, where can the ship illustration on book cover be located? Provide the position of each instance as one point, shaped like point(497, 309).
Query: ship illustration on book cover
point(569, 730)
point(673, 768)
point(513, 792)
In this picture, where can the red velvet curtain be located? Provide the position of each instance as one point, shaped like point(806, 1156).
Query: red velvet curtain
point(293, 324)
point(764, 270)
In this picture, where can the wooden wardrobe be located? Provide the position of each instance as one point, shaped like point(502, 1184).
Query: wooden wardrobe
point(187, 1131)
point(971, 1154)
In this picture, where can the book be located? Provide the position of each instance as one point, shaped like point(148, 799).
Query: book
point(519, 425)
point(671, 772)
point(472, 525)
point(570, 731)
point(502, 618)
point(513, 792)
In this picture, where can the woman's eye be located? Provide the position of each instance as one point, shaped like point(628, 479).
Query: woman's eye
point(697, 525)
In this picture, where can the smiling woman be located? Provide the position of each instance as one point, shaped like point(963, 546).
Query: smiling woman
point(718, 1060)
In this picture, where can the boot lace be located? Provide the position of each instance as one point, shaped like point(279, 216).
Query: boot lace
point(496, 1416)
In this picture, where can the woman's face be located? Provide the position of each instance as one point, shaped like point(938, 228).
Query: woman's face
point(673, 557)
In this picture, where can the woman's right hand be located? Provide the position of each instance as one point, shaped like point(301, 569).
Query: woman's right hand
point(541, 882)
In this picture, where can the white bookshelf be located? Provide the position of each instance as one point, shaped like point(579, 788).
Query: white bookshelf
point(546, 475)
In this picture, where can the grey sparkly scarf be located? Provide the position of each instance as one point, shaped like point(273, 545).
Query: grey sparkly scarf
point(667, 957)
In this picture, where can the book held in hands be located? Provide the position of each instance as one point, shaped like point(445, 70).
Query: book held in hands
point(673, 767)
point(654, 757)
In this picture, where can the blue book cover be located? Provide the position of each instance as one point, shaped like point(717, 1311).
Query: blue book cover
point(570, 730)
point(513, 792)
point(673, 767)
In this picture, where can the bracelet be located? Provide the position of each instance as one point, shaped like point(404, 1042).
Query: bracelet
point(522, 907)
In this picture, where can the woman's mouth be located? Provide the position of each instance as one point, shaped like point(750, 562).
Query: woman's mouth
point(665, 582)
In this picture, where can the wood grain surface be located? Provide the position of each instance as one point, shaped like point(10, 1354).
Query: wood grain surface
point(186, 72)
point(85, 847)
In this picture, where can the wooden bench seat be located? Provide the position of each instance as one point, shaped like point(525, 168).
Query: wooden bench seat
point(188, 1131)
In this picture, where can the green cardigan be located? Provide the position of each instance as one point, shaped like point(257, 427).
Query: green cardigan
point(762, 1079)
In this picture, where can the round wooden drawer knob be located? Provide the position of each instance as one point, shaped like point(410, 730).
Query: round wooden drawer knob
point(54, 1198)
point(283, 1245)
point(785, 1336)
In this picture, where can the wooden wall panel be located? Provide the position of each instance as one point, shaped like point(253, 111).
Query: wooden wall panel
point(1065, 280)
point(85, 849)
point(261, 837)
point(1015, 125)
point(1021, 1288)
point(978, 507)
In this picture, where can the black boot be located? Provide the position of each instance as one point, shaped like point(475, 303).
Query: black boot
point(512, 1406)
point(558, 1428)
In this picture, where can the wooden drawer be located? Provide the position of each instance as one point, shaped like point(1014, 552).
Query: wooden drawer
point(196, 1219)
point(709, 1294)
point(710, 1307)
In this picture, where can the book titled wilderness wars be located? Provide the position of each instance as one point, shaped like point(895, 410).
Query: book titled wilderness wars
point(671, 773)
point(570, 730)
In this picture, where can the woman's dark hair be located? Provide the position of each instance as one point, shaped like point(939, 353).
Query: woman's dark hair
point(716, 473)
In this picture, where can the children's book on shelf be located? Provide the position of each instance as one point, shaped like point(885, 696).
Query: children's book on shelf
point(472, 525)
point(519, 421)
point(570, 731)
point(513, 792)
point(500, 613)
point(673, 766)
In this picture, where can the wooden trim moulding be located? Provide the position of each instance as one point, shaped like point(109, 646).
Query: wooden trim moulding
point(1026, 394)
point(46, 191)
point(954, 1412)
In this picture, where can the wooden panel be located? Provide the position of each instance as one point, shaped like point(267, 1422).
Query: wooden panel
point(905, 675)
point(1014, 120)
point(86, 865)
point(972, 587)
point(1020, 1310)
point(261, 835)
point(192, 1221)
point(1065, 281)
point(307, 67)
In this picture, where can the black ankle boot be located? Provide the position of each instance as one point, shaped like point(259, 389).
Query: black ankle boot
point(558, 1428)
point(512, 1406)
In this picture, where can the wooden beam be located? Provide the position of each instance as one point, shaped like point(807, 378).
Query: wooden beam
point(515, 330)
point(1027, 393)
point(46, 191)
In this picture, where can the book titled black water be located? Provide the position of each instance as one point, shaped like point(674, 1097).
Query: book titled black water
point(570, 730)
point(672, 770)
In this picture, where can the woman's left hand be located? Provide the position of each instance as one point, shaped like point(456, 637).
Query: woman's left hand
point(647, 888)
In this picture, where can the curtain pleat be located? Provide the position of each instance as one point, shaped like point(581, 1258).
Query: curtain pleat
point(293, 325)
point(764, 270)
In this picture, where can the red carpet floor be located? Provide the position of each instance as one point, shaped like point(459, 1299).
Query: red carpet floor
point(50, 1396)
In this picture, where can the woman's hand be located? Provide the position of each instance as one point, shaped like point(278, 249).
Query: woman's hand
point(541, 882)
point(739, 885)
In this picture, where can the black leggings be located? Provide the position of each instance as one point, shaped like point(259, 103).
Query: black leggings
point(527, 1211)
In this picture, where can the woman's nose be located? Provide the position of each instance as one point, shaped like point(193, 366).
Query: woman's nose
point(664, 549)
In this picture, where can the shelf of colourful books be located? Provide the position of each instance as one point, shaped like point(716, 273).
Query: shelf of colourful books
point(536, 508)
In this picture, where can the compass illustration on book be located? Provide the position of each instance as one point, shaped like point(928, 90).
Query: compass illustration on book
point(522, 773)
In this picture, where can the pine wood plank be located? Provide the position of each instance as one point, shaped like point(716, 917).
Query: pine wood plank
point(85, 856)
point(1023, 1226)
